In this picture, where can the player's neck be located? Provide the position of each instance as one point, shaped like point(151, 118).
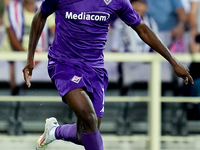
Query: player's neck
point(30, 7)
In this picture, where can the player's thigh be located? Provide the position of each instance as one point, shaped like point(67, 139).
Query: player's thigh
point(79, 101)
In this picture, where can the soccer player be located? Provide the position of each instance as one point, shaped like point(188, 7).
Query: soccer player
point(76, 62)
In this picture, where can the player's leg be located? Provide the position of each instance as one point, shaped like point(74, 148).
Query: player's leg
point(86, 130)
point(70, 132)
point(79, 101)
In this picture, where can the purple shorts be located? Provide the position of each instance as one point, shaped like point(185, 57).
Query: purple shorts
point(69, 76)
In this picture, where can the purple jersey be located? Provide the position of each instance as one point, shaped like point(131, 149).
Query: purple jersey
point(82, 26)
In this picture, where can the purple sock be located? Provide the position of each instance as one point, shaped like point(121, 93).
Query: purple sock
point(92, 141)
point(67, 132)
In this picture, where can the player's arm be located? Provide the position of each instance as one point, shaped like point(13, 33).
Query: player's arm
point(37, 26)
point(47, 8)
point(148, 36)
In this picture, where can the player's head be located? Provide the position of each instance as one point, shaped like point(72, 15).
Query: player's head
point(140, 6)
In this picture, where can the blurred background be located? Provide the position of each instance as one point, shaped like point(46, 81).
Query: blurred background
point(125, 123)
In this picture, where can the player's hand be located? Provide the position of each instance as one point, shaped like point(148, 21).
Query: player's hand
point(27, 71)
point(183, 72)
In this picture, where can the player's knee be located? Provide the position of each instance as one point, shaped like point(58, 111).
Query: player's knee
point(90, 118)
point(90, 121)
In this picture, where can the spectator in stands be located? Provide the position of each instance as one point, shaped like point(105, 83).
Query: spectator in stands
point(126, 40)
point(17, 21)
point(185, 111)
point(170, 17)
point(195, 46)
point(18, 29)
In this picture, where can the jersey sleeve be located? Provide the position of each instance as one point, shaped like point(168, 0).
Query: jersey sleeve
point(127, 13)
point(49, 6)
